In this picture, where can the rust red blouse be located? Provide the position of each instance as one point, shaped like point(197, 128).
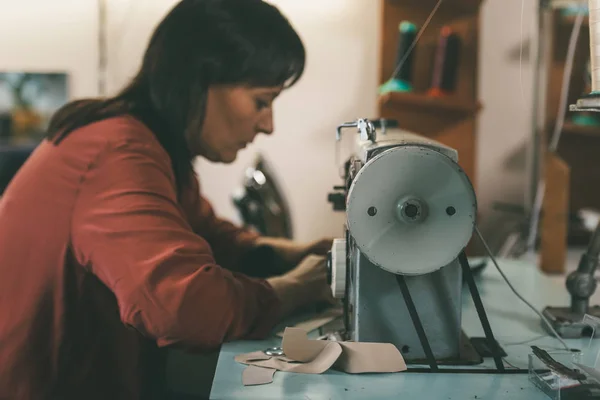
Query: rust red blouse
point(101, 265)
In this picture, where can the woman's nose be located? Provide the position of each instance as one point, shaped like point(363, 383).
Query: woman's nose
point(265, 124)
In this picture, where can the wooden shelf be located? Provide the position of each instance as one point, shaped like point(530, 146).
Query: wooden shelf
point(570, 20)
point(571, 128)
point(423, 101)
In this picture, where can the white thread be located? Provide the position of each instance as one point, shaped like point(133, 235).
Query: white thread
point(594, 22)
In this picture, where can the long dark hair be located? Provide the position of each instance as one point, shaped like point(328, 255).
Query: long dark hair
point(198, 44)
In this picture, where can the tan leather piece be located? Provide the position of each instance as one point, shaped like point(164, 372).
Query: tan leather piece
point(253, 375)
point(303, 355)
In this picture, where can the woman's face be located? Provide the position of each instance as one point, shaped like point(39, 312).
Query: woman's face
point(234, 116)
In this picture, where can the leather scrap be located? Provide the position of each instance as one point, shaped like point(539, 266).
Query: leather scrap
point(303, 355)
point(319, 364)
point(254, 375)
point(360, 358)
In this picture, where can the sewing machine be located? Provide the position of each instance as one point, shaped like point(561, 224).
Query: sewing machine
point(410, 212)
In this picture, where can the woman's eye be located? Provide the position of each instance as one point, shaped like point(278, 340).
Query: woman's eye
point(260, 104)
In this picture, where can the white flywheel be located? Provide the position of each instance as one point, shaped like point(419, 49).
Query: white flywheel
point(338, 268)
point(411, 210)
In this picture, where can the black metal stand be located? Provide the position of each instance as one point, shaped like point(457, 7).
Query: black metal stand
point(489, 335)
point(433, 365)
point(414, 315)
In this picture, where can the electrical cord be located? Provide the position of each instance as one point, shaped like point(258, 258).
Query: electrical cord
point(522, 342)
point(489, 252)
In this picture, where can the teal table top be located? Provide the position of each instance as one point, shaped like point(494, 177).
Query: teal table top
point(515, 326)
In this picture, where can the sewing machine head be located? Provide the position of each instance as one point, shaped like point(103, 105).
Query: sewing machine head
point(410, 211)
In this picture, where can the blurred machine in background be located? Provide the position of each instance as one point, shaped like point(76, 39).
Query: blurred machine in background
point(260, 202)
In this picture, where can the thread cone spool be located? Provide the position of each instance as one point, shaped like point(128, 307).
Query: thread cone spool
point(411, 210)
point(401, 81)
point(446, 61)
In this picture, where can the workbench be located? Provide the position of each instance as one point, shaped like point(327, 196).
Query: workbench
point(515, 326)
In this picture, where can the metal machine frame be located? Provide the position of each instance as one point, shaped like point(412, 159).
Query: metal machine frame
point(359, 271)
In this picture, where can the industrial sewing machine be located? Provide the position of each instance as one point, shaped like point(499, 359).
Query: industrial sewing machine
point(411, 211)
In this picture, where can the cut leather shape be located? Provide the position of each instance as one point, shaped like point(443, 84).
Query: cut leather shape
point(359, 358)
point(253, 375)
point(297, 346)
point(318, 320)
point(303, 355)
point(321, 363)
point(356, 357)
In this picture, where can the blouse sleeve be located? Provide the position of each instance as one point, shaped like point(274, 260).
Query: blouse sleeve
point(230, 244)
point(130, 231)
point(234, 248)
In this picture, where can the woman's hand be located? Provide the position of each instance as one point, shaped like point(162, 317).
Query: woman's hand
point(305, 284)
point(292, 252)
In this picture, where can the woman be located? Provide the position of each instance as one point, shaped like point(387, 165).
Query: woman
point(107, 250)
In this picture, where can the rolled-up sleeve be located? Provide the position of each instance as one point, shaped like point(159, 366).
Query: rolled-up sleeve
point(230, 243)
point(130, 231)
